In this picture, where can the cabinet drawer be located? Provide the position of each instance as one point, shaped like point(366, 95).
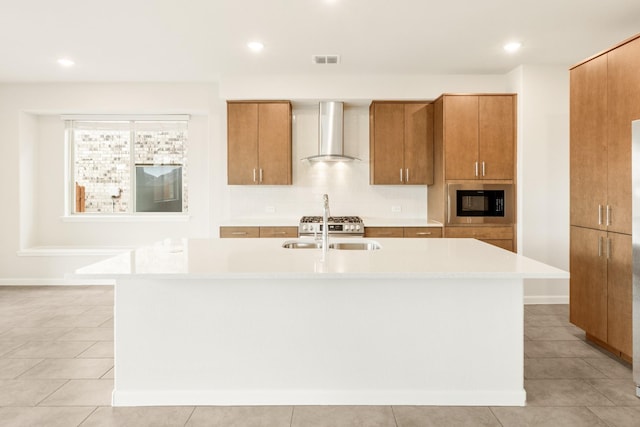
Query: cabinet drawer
point(480, 232)
point(278, 231)
point(239, 232)
point(384, 232)
point(423, 232)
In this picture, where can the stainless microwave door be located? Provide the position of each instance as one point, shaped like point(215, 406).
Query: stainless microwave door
point(456, 213)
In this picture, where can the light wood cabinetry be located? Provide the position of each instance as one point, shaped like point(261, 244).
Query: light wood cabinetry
point(423, 232)
point(259, 143)
point(479, 136)
point(604, 92)
point(401, 143)
point(409, 232)
point(278, 231)
point(239, 232)
point(501, 236)
point(474, 142)
point(257, 231)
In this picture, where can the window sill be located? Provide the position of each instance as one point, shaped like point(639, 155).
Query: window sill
point(125, 218)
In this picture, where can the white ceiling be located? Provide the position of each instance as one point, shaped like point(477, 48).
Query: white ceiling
point(202, 40)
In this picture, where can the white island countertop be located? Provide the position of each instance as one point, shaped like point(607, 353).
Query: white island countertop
point(266, 258)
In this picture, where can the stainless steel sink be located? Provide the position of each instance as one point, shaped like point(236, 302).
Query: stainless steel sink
point(302, 245)
point(352, 246)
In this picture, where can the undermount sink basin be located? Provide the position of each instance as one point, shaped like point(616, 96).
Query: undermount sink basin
point(302, 245)
point(357, 246)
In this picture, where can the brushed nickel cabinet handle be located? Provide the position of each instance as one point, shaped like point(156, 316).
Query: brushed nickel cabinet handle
point(476, 168)
point(608, 216)
point(608, 248)
point(599, 214)
point(407, 174)
point(239, 233)
point(260, 174)
point(401, 175)
point(482, 168)
point(423, 233)
point(600, 246)
point(254, 174)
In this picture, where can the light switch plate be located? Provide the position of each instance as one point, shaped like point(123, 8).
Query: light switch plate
point(270, 209)
point(396, 208)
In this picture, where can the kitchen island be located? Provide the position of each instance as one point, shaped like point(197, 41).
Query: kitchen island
point(248, 322)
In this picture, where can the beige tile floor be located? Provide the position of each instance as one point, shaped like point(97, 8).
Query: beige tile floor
point(56, 369)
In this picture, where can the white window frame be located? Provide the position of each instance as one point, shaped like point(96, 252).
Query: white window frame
point(70, 214)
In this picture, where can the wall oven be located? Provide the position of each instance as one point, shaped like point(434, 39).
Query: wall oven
point(473, 203)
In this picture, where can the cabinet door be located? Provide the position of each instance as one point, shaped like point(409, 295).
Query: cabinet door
point(588, 283)
point(387, 148)
point(418, 144)
point(279, 231)
point(588, 149)
point(623, 87)
point(496, 136)
point(423, 232)
point(461, 136)
point(239, 232)
point(383, 232)
point(242, 142)
point(274, 148)
point(619, 292)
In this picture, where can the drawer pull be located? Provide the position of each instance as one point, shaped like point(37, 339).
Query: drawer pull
point(423, 233)
point(239, 233)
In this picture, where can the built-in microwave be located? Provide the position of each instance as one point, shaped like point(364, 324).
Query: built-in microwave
point(472, 203)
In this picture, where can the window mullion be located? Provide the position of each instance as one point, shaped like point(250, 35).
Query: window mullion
point(132, 169)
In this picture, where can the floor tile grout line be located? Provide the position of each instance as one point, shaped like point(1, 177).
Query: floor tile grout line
point(496, 417)
point(189, 417)
point(50, 394)
point(88, 416)
point(393, 412)
point(37, 364)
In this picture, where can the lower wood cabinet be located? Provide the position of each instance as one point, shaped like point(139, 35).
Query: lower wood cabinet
point(240, 232)
point(501, 236)
point(601, 288)
point(278, 231)
point(420, 232)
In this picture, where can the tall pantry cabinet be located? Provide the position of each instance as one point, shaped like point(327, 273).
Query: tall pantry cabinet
point(604, 100)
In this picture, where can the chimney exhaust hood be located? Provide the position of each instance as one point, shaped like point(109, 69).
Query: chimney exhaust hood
point(331, 134)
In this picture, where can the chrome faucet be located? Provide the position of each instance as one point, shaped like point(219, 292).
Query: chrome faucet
point(325, 222)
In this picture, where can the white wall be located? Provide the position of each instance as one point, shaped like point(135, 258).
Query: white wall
point(543, 173)
point(33, 152)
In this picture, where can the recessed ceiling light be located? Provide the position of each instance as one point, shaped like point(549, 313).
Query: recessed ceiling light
point(255, 46)
point(66, 62)
point(512, 47)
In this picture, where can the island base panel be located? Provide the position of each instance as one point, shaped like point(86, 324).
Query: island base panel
point(285, 341)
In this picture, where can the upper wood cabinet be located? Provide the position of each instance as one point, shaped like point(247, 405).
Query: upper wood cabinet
point(479, 136)
point(401, 143)
point(604, 92)
point(604, 101)
point(259, 143)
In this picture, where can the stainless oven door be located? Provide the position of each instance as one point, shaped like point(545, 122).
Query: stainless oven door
point(479, 210)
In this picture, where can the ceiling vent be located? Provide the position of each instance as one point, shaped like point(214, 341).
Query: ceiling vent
point(326, 59)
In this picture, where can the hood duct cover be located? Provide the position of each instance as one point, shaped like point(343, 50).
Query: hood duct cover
point(331, 134)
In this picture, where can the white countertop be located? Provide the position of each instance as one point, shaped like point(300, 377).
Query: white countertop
point(251, 258)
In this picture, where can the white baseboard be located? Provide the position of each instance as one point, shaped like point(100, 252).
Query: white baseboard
point(546, 299)
point(54, 282)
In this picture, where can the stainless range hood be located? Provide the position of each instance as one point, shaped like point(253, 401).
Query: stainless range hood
point(331, 134)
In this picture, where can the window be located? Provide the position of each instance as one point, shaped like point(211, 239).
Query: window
point(128, 166)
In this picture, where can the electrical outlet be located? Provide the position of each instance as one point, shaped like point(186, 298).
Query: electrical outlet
point(270, 209)
point(396, 208)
